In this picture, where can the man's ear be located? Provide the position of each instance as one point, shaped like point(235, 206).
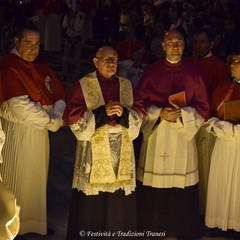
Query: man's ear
point(95, 61)
point(16, 41)
point(211, 45)
point(163, 46)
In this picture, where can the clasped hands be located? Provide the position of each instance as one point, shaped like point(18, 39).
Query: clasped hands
point(114, 109)
point(171, 114)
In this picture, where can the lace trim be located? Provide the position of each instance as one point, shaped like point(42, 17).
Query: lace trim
point(94, 189)
point(135, 121)
point(85, 127)
point(83, 166)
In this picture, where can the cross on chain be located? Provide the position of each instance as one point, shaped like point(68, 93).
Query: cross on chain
point(164, 156)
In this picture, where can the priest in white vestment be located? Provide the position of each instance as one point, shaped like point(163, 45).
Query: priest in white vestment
point(105, 114)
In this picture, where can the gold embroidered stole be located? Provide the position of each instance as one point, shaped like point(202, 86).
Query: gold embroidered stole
point(102, 169)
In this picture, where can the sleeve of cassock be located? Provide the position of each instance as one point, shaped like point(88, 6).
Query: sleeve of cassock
point(190, 123)
point(29, 112)
point(223, 129)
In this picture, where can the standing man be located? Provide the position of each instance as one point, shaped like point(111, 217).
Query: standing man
point(133, 55)
point(53, 11)
point(33, 103)
point(73, 23)
point(215, 70)
point(168, 170)
point(105, 114)
point(216, 73)
point(222, 209)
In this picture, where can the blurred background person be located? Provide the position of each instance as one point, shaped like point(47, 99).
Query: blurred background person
point(216, 73)
point(134, 55)
point(53, 10)
point(73, 23)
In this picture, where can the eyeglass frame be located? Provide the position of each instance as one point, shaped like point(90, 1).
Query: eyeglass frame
point(235, 62)
point(107, 60)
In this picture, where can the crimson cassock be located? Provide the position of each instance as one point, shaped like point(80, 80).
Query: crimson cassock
point(167, 172)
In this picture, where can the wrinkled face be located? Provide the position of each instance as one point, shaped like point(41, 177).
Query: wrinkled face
point(173, 45)
point(201, 45)
point(235, 66)
point(28, 46)
point(106, 62)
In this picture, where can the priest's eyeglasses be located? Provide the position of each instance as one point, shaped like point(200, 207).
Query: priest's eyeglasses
point(235, 62)
point(107, 60)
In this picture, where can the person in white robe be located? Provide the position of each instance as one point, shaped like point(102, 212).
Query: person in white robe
point(223, 205)
point(9, 210)
point(32, 104)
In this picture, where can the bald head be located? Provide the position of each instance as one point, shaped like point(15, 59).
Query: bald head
point(173, 45)
point(174, 33)
point(106, 61)
point(105, 50)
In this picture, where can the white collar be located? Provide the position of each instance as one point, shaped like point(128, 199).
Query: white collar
point(208, 55)
point(236, 80)
point(174, 61)
point(15, 51)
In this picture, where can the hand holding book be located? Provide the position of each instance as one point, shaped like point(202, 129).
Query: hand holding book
point(177, 100)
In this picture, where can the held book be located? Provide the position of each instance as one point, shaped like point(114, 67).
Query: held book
point(232, 111)
point(178, 98)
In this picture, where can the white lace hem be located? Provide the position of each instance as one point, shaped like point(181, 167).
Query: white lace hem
point(90, 189)
point(85, 127)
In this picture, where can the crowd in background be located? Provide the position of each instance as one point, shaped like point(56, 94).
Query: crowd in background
point(107, 21)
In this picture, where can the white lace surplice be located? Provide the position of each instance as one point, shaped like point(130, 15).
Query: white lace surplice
point(84, 130)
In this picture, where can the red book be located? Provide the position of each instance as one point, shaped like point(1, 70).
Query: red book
point(178, 98)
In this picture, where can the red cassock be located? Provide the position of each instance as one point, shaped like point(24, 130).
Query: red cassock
point(214, 69)
point(162, 79)
point(220, 93)
point(34, 79)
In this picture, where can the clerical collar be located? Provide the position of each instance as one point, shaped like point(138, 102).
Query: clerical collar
point(208, 55)
point(14, 50)
point(172, 62)
point(236, 81)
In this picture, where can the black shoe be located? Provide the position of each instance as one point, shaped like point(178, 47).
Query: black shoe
point(211, 232)
point(234, 235)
